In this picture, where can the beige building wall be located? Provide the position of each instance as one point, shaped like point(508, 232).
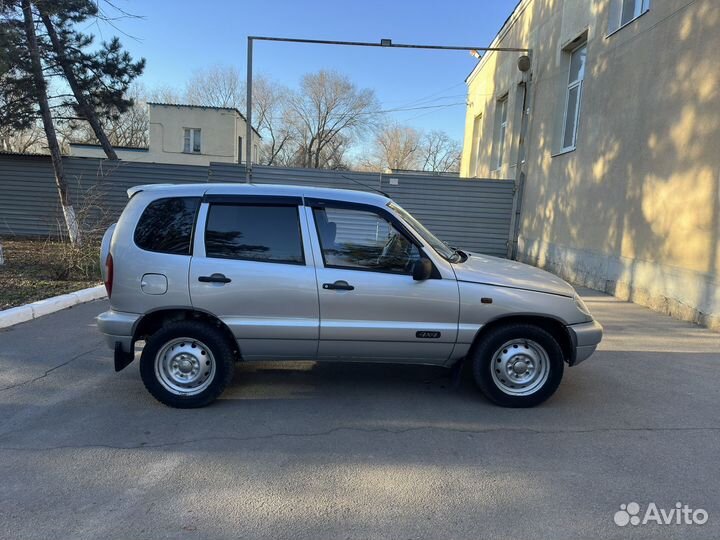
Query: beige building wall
point(635, 209)
point(221, 130)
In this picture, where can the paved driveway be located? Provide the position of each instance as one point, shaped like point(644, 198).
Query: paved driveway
point(320, 451)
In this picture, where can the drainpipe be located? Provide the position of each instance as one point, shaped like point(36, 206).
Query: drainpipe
point(512, 249)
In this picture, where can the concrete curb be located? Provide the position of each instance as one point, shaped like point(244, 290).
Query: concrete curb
point(28, 312)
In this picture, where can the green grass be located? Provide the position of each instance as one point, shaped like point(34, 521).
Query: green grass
point(36, 269)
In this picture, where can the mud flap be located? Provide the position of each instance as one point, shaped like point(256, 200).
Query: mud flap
point(122, 358)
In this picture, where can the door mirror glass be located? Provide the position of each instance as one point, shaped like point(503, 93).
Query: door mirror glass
point(422, 270)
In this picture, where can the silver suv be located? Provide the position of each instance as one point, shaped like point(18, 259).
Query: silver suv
point(210, 274)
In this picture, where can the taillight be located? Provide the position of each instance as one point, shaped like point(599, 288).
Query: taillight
point(109, 275)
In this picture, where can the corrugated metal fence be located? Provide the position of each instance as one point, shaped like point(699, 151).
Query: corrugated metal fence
point(470, 214)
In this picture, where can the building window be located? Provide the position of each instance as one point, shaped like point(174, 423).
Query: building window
point(500, 131)
point(573, 99)
point(240, 149)
point(623, 12)
point(475, 150)
point(191, 142)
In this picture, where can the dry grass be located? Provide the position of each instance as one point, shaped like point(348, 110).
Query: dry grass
point(37, 269)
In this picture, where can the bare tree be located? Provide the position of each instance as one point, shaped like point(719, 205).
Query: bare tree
point(272, 120)
point(395, 147)
point(164, 94)
point(327, 106)
point(22, 141)
point(439, 153)
point(130, 128)
point(216, 86)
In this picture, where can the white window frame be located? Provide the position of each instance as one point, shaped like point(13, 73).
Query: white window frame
point(615, 22)
point(502, 120)
point(190, 137)
point(571, 85)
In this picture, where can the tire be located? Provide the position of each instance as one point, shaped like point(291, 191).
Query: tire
point(518, 365)
point(187, 364)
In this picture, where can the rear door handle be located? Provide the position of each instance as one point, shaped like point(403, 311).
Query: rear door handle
point(215, 278)
point(339, 285)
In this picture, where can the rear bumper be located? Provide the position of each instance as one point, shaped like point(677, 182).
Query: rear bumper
point(118, 327)
point(585, 338)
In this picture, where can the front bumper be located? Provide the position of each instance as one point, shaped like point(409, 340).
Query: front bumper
point(585, 338)
point(118, 327)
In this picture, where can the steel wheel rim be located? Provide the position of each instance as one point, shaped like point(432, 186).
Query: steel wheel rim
point(520, 367)
point(185, 366)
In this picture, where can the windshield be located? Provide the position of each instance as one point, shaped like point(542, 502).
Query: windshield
point(433, 241)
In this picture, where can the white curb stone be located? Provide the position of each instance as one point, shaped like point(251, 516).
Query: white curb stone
point(13, 316)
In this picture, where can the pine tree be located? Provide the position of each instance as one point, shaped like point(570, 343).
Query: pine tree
point(97, 79)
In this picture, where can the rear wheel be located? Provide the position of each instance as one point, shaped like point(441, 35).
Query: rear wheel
point(518, 365)
point(187, 364)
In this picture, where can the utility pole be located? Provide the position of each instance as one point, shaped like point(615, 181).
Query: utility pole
point(383, 43)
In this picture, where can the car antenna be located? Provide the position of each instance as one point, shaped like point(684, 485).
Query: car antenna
point(366, 186)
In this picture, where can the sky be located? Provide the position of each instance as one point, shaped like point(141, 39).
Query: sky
point(177, 37)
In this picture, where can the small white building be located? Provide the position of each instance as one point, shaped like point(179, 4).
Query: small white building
point(186, 134)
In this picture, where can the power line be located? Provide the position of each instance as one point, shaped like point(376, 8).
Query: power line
point(433, 94)
point(401, 109)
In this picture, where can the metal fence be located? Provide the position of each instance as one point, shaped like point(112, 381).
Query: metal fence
point(471, 214)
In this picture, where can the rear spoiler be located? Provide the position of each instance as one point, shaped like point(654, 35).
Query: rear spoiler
point(131, 192)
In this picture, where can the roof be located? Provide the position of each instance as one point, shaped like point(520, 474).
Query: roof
point(345, 195)
point(28, 154)
point(94, 145)
point(212, 107)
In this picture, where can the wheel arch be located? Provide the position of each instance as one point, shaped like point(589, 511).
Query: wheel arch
point(557, 329)
point(152, 321)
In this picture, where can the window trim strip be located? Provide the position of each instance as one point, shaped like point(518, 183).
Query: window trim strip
point(254, 200)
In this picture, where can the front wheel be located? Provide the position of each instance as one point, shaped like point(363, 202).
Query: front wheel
point(187, 364)
point(518, 365)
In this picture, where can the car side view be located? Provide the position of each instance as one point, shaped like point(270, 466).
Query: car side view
point(207, 275)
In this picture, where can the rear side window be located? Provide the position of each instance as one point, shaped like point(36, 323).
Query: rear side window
point(254, 233)
point(166, 225)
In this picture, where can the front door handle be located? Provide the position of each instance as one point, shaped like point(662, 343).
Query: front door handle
point(339, 285)
point(215, 278)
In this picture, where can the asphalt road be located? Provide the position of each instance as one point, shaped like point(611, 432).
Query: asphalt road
point(358, 451)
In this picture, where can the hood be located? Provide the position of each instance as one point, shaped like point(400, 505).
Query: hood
point(506, 273)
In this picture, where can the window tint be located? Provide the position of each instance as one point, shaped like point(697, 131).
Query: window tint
point(166, 225)
point(363, 240)
point(255, 233)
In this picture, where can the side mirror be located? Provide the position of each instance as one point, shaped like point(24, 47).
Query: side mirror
point(422, 269)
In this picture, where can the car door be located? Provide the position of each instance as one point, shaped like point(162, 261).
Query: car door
point(371, 308)
point(252, 268)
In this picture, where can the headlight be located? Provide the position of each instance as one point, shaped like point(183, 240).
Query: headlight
point(579, 302)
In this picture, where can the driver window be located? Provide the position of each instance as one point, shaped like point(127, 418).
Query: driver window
point(362, 240)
